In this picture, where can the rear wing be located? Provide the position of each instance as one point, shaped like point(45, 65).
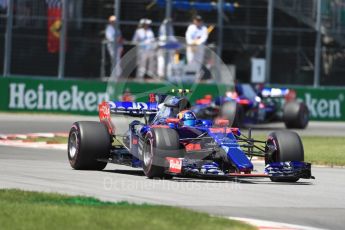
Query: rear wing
point(274, 92)
point(134, 109)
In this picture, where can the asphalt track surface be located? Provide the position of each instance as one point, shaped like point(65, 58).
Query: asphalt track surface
point(317, 203)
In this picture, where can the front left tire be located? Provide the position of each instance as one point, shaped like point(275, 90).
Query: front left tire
point(159, 143)
point(88, 142)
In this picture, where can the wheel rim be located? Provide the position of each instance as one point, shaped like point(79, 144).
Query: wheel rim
point(305, 117)
point(73, 145)
point(148, 155)
point(274, 155)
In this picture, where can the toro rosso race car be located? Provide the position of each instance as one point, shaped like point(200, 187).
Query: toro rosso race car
point(245, 106)
point(172, 141)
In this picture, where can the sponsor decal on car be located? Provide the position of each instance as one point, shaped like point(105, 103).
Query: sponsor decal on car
point(175, 164)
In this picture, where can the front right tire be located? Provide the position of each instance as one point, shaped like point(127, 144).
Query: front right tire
point(288, 147)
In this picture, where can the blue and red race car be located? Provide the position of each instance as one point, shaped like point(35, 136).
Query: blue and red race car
point(172, 141)
point(245, 106)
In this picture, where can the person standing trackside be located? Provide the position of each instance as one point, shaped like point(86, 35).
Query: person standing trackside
point(165, 54)
point(196, 38)
point(145, 40)
point(113, 36)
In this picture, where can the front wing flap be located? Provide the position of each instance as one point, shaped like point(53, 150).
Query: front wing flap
point(206, 168)
point(295, 169)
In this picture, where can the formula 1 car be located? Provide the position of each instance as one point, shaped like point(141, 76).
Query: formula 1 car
point(246, 106)
point(171, 141)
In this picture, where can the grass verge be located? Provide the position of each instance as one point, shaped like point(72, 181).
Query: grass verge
point(321, 150)
point(33, 210)
point(324, 150)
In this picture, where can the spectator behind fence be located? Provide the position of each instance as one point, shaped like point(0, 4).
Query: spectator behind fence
point(145, 40)
point(167, 44)
point(112, 36)
point(196, 38)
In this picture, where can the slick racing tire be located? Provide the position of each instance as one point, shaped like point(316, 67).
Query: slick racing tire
point(208, 113)
point(233, 112)
point(159, 143)
point(88, 141)
point(287, 146)
point(295, 115)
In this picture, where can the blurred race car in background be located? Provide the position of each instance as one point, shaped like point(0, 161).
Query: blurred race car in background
point(172, 141)
point(245, 106)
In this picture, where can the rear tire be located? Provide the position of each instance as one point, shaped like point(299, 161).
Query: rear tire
point(208, 113)
point(88, 141)
point(159, 143)
point(233, 112)
point(296, 115)
point(288, 147)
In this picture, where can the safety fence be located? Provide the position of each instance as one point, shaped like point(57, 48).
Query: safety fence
point(33, 42)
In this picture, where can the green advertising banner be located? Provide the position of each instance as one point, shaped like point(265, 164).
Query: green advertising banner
point(25, 94)
point(82, 96)
point(324, 103)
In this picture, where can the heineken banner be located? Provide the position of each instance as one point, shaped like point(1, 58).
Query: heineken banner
point(51, 95)
point(81, 96)
point(324, 103)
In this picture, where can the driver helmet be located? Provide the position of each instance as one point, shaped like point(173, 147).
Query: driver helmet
point(187, 117)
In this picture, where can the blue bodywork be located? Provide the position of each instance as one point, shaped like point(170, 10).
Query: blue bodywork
point(259, 107)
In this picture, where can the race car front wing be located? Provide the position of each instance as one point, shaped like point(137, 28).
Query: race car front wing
point(205, 168)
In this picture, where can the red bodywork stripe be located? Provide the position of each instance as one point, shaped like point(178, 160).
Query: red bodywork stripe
point(203, 101)
point(248, 175)
point(135, 141)
point(193, 147)
point(244, 102)
point(159, 126)
point(220, 130)
point(104, 116)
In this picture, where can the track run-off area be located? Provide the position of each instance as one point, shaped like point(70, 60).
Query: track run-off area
point(318, 203)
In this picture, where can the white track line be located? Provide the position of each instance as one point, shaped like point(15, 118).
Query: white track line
point(11, 140)
point(36, 135)
point(37, 145)
point(32, 135)
point(270, 225)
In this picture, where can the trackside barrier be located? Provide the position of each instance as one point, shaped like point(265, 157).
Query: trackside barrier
point(81, 96)
point(324, 103)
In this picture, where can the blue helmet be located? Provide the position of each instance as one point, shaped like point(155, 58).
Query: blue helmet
point(187, 117)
